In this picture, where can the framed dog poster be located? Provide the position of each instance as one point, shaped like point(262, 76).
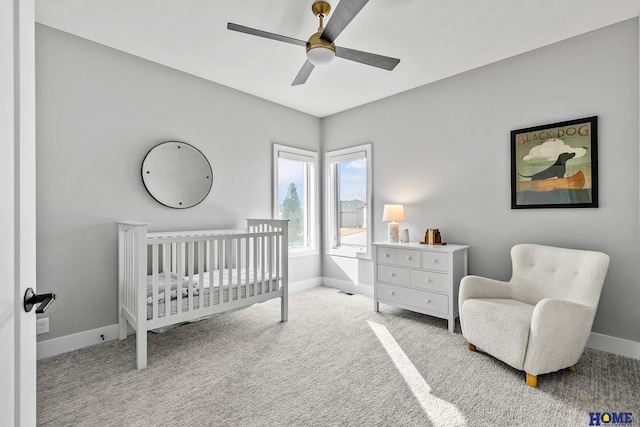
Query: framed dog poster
point(556, 165)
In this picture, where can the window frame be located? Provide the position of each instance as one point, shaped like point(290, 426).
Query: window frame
point(332, 159)
point(311, 203)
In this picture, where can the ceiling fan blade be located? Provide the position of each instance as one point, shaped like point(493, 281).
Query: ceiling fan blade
point(375, 60)
point(303, 74)
point(266, 35)
point(344, 13)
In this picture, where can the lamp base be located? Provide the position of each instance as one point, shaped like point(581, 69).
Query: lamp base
point(394, 232)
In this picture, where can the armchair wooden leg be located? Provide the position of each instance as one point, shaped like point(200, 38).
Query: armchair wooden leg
point(472, 347)
point(572, 368)
point(532, 380)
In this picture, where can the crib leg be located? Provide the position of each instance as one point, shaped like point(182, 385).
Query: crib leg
point(122, 327)
point(141, 349)
point(284, 306)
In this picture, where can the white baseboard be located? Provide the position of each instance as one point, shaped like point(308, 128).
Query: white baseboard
point(68, 343)
point(614, 345)
point(347, 286)
point(301, 285)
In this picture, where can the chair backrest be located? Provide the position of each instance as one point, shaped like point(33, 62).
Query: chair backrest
point(541, 272)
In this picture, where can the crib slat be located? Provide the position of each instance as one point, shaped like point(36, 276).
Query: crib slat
point(270, 276)
point(247, 265)
point(212, 250)
point(262, 262)
point(229, 267)
point(220, 272)
point(167, 288)
point(190, 263)
point(227, 271)
point(132, 276)
point(180, 272)
point(200, 268)
point(277, 278)
point(265, 265)
point(238, 268)
point(128, 276)
point(230, 252)
point(154, 281)
point(166, 268)
point(255, 265)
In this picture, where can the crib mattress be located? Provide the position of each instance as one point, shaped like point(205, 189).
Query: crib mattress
point(245, 289)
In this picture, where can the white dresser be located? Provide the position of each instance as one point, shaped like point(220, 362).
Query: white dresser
point(420, 278)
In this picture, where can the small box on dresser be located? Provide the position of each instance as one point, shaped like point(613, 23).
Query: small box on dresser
point(421, 278)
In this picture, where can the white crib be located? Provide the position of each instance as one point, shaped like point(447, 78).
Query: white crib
point(166, 278)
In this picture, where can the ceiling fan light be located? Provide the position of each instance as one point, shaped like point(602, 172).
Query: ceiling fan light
point(320, 55)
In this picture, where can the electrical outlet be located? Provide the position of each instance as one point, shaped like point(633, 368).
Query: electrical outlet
point(42, 326)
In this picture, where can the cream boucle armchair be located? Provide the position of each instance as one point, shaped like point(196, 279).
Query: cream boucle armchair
point(540, 320)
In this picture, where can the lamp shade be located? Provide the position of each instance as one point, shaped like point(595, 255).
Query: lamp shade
point(393, 213)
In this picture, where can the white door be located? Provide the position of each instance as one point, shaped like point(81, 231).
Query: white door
point(17, 213)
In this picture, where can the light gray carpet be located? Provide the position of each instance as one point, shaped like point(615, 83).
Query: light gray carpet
point(325, 366)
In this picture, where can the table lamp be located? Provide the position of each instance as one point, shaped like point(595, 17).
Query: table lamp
point(393, 213)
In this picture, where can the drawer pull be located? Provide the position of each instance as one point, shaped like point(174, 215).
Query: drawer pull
point(392, 274)
point(408, 258)
point(386, 255)
point(392, 293)
point(435, 261)
point(427, 301)
point(428, 280)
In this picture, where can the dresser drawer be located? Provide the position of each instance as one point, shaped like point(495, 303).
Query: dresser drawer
point(387, 256)
point(429, 280)
point(390, 274)
point(414, 297)
point(435, 261)
point(408, 258)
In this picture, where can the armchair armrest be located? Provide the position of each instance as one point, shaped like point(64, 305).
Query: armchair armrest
point(559, 333)
point(483, 287)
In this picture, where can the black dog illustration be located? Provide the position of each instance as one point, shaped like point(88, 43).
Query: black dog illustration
point(556, 170)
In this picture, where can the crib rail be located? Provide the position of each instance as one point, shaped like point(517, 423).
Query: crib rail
point(171, 277)
point(206, 271)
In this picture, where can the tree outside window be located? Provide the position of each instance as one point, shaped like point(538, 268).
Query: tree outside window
point(295, 196)
point(293, 211)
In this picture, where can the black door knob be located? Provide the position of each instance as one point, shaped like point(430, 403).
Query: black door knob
point(31, 299)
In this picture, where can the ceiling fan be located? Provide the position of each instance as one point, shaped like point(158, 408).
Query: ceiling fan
point(320, 46)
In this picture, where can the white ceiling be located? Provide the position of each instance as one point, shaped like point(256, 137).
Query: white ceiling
point(434, 39)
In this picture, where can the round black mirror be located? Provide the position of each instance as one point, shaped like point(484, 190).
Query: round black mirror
point(177, 174)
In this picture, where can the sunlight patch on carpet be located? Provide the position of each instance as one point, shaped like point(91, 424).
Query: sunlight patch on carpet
point(439, 411)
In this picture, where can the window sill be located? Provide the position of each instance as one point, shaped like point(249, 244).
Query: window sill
point(349, 253)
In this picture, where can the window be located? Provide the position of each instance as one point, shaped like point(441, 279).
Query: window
point(348, 201)
point(295, 194)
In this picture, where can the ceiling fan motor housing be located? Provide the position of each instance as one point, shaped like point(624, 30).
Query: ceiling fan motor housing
point(320, 51)
point(315, 42)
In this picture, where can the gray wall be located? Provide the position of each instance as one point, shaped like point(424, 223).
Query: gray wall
point(98, 113)
point(443, 151)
